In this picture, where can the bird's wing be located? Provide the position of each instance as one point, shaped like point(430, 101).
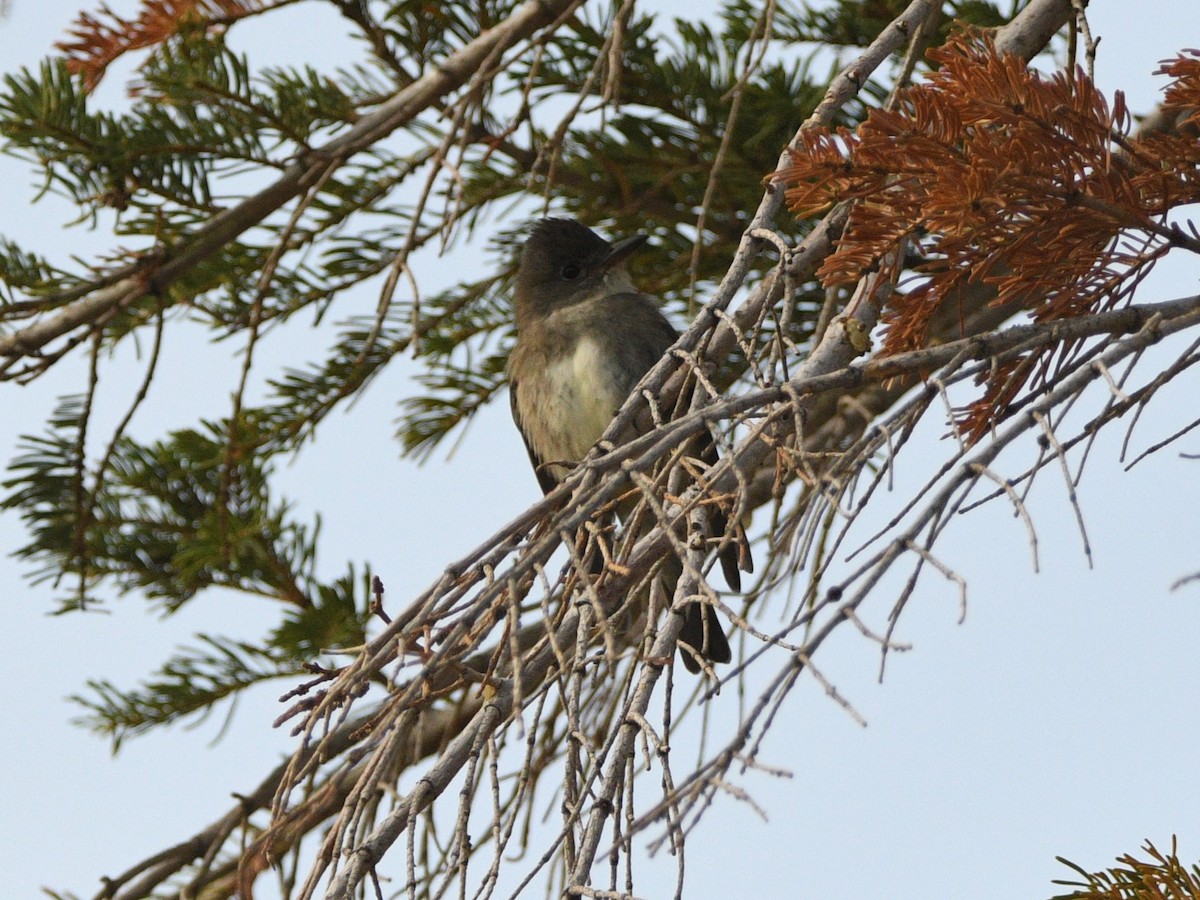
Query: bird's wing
point(738, 549)
point(545, 479)
point(654, 336)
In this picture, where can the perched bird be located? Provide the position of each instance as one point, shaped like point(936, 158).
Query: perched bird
point(585, 337)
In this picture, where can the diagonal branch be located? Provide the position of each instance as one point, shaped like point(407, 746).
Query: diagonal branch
point(158, 270)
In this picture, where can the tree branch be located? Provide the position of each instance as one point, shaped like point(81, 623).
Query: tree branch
point(156, 271)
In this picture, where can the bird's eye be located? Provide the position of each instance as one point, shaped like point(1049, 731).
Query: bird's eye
point(570, 271)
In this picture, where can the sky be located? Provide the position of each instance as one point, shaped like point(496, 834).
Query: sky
point(1057, 719)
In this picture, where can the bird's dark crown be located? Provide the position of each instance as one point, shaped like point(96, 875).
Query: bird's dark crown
point(563, 241)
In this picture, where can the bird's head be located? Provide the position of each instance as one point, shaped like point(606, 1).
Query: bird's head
point(564, 262)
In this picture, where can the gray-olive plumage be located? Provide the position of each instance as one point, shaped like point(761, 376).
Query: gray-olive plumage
point(585, 337)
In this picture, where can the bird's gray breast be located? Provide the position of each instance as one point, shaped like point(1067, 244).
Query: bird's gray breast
point(576, 366)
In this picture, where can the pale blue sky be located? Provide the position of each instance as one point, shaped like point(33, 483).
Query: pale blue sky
point(1059, 719)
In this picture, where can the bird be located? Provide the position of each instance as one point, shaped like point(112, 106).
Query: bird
point(585, 336)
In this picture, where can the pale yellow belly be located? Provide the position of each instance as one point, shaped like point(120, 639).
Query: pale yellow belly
point(569, 406)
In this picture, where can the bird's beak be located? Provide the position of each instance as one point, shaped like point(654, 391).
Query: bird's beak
point(622, 250)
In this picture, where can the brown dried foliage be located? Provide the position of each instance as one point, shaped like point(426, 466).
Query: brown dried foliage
point(992, 172)
point(97, 40)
